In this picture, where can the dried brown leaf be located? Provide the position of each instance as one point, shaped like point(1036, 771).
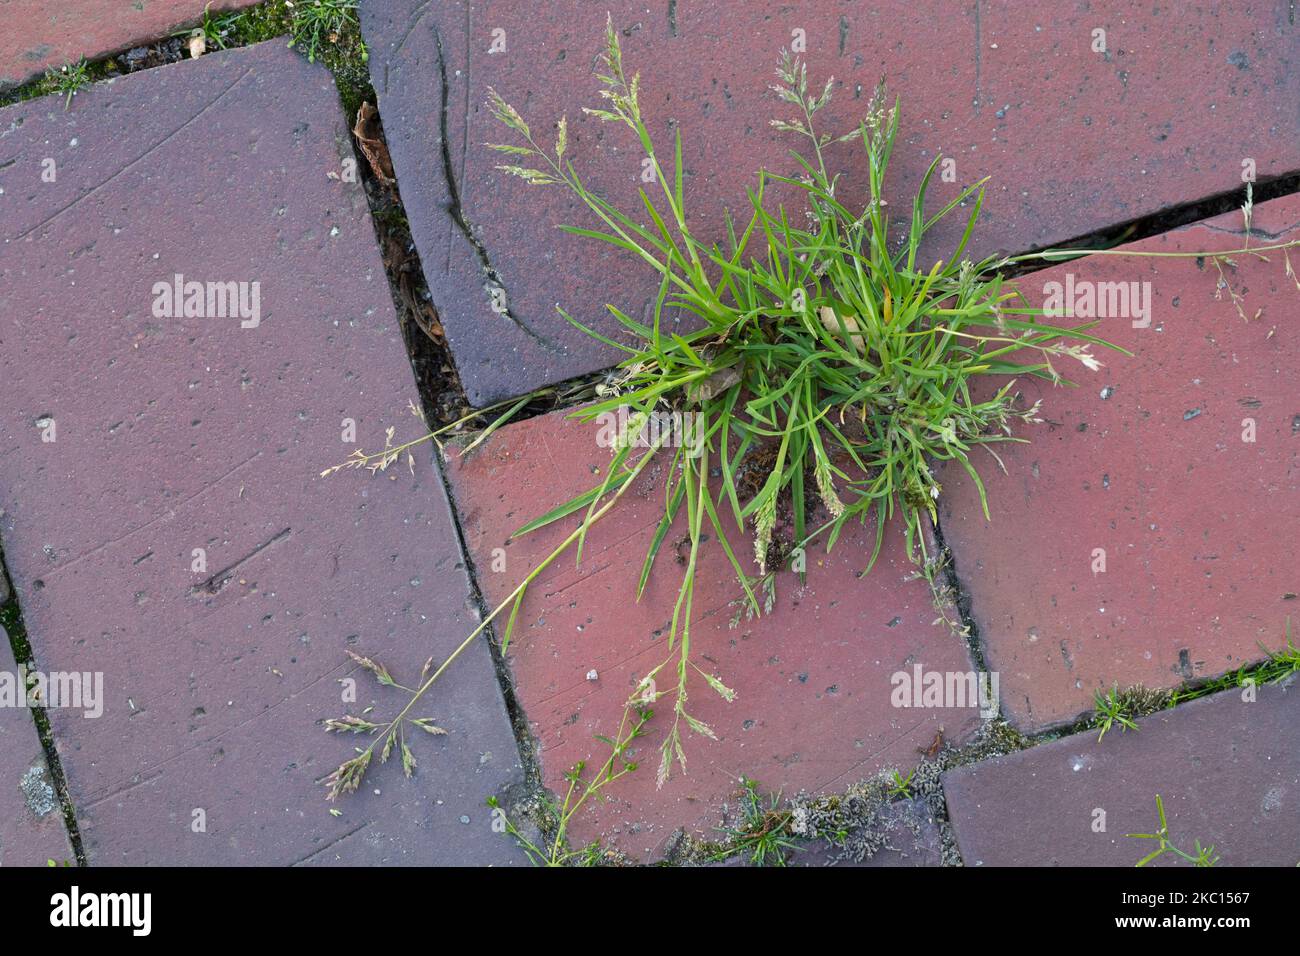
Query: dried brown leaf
point(370, 137)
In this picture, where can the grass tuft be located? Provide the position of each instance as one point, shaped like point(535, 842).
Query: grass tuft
point(552, 849)
point(1114, 709)
point(68, 80)
point(318, 26)
point(820, 351)
point(763, 832)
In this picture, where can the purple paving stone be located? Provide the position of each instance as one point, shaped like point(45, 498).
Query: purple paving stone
point(31, 820)
point(1227, 769)
point(1078, 132)
point(164, 518)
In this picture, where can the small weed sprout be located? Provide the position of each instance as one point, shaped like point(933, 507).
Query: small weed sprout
point(213, 30)
point(901, 786)
point(579, 791)
point(1204, 856)
point(1281, 663)
point(1277, 666)
point(1111, 711)
point(764, 830)
point(68, 80)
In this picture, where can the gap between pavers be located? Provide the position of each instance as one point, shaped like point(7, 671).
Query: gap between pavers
point(39, 34)
point(172, 434)
point(813, 680)
point(1075, 140)
point(1227, 769)
point(1174, 470)
point(32, 830)
point(909, 833)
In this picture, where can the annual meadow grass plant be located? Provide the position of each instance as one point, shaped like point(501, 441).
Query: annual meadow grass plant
point(817, 345)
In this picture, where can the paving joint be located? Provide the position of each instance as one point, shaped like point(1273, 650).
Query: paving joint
point(11, 624)
point(529, 757)
point(1167, 220)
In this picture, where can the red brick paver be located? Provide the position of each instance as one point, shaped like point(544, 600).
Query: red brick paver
point(1074, 139)
point(173, 434)
point(31, 819)
point(1228, 772)
point(813, 680)
point(37, 34)
point(1149, 462)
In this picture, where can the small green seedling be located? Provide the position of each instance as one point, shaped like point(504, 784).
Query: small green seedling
point(902, 786)
point(1276, 666)
point(1110, 712)
point(580, 790)
point(764, 830)
point(1204, 856)
point(215, 30)
point(69, 79)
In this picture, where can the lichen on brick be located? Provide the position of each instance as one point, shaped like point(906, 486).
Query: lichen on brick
point(38, 793)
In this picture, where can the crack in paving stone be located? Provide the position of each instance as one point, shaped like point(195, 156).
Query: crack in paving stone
point(218, 581)
point(495, 289)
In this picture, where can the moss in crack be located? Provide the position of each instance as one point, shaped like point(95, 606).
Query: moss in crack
point(324, 31)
